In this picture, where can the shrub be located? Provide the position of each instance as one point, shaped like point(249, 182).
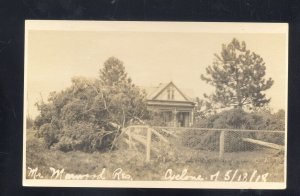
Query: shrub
point(275, 122)
point(231, 119)
point(49, 133)
point(155, 118)
point(85, 137)
point(205, 140)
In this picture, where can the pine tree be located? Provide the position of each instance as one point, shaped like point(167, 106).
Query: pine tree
point(113, 72)
point(125, 100)
point(238, 76)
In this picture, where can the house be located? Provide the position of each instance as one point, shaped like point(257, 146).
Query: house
point(175, 107)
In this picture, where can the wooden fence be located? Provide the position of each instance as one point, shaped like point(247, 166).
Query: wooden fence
point(143, 135)
point(133, 135)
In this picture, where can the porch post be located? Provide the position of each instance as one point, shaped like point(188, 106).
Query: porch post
point(192, 118)
point(174, 117)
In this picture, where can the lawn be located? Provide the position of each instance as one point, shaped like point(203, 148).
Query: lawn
point(175, 159)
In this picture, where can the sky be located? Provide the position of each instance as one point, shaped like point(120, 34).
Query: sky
point(53, 57)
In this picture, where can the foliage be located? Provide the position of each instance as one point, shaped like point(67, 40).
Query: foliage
point(235, 119)
point(113, 73)
point(45, 115)
point(196, 161)
point(29, 122)
point(238, 77)
point(274, 122)
point(85, 137)
point(50, 134)
point(79, 117)
point(202, 109)
point(128, 101)
point(155, 118)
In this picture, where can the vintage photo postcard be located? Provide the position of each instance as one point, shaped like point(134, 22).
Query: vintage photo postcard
point(155, 104)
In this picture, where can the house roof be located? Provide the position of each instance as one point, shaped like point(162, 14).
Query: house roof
point(153, 92)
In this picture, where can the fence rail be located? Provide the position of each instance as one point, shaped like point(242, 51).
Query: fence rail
point(209, 129)
point(218, 138)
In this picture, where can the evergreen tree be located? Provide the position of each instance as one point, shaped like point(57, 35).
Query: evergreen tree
point(125, 100)
point(238, 76)
point(89, 114)
point(113, 72)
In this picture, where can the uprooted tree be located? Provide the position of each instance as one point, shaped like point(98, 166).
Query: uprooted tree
point(90, 114)
point(238, 76)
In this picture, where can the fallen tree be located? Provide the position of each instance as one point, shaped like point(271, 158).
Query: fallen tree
point(90, 114)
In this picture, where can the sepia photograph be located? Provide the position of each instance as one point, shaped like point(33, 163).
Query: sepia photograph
point(155, 104)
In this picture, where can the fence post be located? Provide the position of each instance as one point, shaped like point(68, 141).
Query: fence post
point(148, 147)
point(221, 153)
point(129, 137)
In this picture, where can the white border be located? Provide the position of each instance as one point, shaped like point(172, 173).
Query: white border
point(152, 27)
point(155, 184)
point(210, 27)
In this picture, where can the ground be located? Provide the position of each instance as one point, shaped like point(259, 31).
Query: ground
point(196, 162)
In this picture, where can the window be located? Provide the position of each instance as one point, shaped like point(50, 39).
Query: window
point(170, 93)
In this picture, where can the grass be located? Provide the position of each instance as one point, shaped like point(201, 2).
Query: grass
point(132, 162)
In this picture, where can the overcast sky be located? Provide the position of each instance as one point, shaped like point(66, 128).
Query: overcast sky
point(54, 57)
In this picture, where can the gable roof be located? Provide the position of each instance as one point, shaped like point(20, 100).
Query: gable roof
point(154, 92)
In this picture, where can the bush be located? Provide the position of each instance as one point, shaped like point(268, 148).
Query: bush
point(155, 118)
point(85, 137)
point(231, 119)
point(49, 133)
point(205, 140)
point(275, 122)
